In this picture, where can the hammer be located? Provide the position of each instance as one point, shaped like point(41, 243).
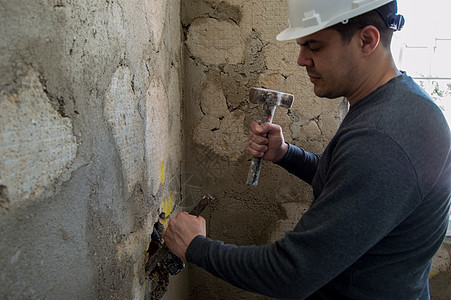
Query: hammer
point(270, 100)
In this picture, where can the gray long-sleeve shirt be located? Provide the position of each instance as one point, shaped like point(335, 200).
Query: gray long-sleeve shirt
point(380, 210)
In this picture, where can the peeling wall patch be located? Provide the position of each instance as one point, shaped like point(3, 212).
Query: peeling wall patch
point(37, 144)
point(121, 112)
point(216, 42)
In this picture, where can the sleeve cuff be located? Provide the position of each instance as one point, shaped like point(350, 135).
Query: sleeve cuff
point(196, 249)
point(293, 153)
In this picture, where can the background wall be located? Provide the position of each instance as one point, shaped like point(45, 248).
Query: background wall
point(114, 111)
point(230, 47)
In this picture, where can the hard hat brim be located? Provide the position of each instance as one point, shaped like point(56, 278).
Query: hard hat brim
point(292, 33)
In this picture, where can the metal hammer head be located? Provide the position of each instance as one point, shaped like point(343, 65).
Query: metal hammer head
point(270, 97)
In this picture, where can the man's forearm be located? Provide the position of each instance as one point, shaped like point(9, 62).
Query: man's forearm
point(301, 163)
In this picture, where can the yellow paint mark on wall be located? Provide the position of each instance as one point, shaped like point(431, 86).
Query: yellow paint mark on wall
point(162, 173)
point(166, 207)
point(432, 275)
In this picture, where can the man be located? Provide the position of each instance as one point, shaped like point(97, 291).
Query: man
point(381, 187)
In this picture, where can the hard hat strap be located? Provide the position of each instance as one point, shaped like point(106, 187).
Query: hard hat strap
point(393, 20)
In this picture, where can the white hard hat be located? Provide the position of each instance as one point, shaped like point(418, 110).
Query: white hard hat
point(309, 16)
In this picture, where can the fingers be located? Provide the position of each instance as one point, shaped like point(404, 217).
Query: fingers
point(266, 141)
point(258, 141)
point(260, 129)
point(181, 231)
point(257, 145)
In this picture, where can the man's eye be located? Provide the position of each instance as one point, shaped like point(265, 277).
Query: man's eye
point(316, 49)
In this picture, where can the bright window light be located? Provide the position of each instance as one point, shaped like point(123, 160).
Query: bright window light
point(423, 47)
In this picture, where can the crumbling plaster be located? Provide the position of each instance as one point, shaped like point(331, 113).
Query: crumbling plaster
point(91, 143)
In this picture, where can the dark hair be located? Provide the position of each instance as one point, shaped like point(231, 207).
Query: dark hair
point(372, 17)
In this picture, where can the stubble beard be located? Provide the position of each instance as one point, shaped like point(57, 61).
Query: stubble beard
point(324, 90)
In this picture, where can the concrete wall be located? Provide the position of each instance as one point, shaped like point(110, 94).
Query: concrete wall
point(114, 111)
point(90, 143)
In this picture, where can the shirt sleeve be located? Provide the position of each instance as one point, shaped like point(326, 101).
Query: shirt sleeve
point(300, 163)
point(369, 188)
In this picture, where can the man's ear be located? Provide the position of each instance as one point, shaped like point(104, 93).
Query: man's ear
point(369, 39)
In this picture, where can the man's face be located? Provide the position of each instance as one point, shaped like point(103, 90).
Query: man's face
point(330, 64)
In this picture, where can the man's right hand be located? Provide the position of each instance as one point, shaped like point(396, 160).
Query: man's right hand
point(181, 231)
point(266, 140)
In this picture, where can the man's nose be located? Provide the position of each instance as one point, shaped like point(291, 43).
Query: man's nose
point(304, 60)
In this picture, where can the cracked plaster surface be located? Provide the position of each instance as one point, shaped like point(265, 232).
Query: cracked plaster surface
point(216, 41)
point(220, 130)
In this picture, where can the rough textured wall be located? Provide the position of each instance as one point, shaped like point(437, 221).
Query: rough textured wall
point(230, 47)
point(90, 143)
point(440, 276)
